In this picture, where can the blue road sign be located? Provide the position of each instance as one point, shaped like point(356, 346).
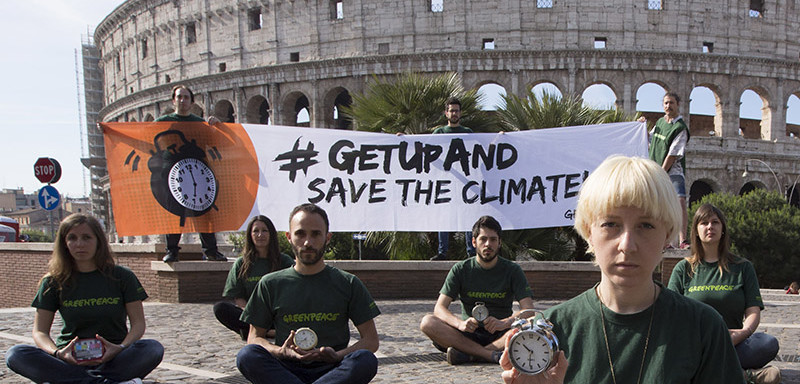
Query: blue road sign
point(49, 198)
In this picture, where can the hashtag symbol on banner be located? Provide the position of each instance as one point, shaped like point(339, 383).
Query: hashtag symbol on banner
point(299, 159)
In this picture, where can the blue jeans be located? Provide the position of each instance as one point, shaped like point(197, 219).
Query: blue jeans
point(444, 243)
point(137, 360)
point(679, 183)
point(757, 350)
point(259, 366)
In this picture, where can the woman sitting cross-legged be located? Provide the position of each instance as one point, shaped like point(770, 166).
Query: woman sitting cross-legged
point(95, 299)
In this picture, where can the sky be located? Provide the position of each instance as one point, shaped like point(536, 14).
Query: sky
point(39, 101)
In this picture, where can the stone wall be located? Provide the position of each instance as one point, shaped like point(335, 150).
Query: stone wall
point(193, 281)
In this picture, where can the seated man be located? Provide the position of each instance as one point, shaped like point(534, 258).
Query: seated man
point(488, 282)
point(318, 298)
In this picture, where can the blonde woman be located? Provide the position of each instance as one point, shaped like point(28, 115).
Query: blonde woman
point(628, 328)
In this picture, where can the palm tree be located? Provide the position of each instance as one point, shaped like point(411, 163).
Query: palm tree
point(552, 110)
point(414, 103)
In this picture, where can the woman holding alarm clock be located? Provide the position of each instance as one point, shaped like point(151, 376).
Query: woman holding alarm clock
point(95, 299)
point(627, 328)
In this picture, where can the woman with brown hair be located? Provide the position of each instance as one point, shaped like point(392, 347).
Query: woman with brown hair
point(728, 283)
point(261, 255)
point(95, 299)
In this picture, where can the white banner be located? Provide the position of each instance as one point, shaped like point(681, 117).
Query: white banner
point(381, 182)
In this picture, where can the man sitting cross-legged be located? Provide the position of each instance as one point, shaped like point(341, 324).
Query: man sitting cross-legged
point(484, 280)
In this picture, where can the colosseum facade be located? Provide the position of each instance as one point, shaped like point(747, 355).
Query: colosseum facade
point(259, 61)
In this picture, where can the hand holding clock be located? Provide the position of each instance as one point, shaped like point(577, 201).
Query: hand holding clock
point(554, 375)
point(289, 350)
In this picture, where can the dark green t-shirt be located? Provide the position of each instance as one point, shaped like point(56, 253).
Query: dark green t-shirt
point(730, 294)
point(449, 129)
point(287, 300)
point(176, 117)
point(497, 287)
point(93, 304)
point(663, 135)
point(688, 342)
point(242, 289)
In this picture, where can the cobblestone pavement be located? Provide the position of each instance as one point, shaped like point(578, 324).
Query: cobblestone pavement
point(200, 350)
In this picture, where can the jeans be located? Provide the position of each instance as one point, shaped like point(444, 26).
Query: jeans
point(137, 360)
point(757, 350)
point(679, 183)
point(207, 240)
point(259, 366)
point(444, 243)
point(228, 314)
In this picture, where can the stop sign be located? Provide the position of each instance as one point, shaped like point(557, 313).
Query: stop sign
point(47, 170)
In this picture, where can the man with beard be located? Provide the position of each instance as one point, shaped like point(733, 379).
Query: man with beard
point(452, 111)
point(313, 296)
point(485, 280)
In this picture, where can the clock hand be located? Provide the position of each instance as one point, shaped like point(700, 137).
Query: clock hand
point(194, 183)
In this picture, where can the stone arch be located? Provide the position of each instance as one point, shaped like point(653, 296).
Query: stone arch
point(751, 129)
point(793, 194)
point(751, 186)
point(601, 83)
point(493, 95)
point(224, 111)
point(333, 101)
point(544, 82)
point(700, 188)
point(258, 111)
point(292, 104)
point(792, 103)
point(148, 117)
point(705, 125)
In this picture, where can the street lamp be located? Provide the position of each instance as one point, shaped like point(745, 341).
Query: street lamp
point(777, 182)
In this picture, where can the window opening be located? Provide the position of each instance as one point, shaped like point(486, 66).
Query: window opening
point(655, 5)
point(222, 67)
point(383, 48)
point(600, 42)
point(144, 48)
point(191, 34)
point(294, 57)
point(708, 47)
point(544, 3)
point(437, 6)
point(255, 19)
point(756, 8)
point(337, 10)
point(488, 44)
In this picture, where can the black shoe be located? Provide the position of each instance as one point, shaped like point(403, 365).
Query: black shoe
point(456, 357)
point(243, 333)
point(496, 355)
point(171, 257)
point(439, 257)
point(214, 256)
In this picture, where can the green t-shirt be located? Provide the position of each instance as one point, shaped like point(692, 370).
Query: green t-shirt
point(730, 294)
point(688, 342)
point(663, 135)
point(449, 129)
point(93, 304)
point(176, 117)
point(497, 287)
point(242, 289)
point(287, 300)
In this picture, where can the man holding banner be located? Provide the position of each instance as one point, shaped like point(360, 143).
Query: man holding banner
point(452, 111)
point(487, 286)
point(309, 305)
point(183, 99)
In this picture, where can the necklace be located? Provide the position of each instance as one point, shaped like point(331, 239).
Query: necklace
point(605, 335)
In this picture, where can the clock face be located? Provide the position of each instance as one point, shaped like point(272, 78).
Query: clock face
point(480, 312)
point(530, 352)
point(305, 338)
point(193, 184)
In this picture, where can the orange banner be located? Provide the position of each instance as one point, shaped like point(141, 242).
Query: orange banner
point(180, 177)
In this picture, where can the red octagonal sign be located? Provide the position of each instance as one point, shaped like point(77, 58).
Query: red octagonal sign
point(47, 170)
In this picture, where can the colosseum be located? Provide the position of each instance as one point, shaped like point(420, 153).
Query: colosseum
point(270, 61)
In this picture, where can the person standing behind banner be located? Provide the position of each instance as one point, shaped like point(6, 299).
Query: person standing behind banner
point(260, 256)
point(95, 299)
point(183, 99)
point(667, 147)
point(728, 283)
point(452, 111)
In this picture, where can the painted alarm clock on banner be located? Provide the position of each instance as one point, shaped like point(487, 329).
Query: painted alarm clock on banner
point(533, 349)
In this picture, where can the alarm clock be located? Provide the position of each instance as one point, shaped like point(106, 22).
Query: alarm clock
point(533, 349)
point(480, 312)
point(305, 338)
point(181, 180)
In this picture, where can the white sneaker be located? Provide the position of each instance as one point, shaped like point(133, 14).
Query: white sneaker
point(135, 380)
